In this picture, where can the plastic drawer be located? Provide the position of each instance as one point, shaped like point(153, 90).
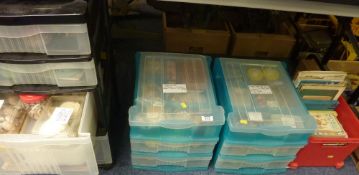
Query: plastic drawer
point(103, 150)
point(68, 74)
point(260, 102)
point(175, 162)
point(234, 149)
point(251, 165)
point(174, 98)
point(331, 152)
point(250, 171)
point(154, 146)
point(36, 154)
point(56, 39)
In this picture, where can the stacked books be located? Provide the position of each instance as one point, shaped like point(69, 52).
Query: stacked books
point(320, 89)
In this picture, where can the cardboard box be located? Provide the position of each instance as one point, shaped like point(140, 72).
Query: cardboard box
point(262, 45)
point(351, 67)
point(193, 40)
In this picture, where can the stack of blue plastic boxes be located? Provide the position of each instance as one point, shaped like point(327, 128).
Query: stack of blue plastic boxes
point(175, 122)
point(266, 123)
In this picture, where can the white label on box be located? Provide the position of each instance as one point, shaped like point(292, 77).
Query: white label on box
point(174, 88)
point(289, 121)
point(1, 103)
point(61, 115)
point(207, 118)
point(259, 89)
point(255, 116)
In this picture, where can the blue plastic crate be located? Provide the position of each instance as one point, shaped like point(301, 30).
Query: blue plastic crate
point(252, 164)
point(174, 98)
point(260, 102)
point(228, 148)
point(190, 147)
point(175, 162)
point(252, 171)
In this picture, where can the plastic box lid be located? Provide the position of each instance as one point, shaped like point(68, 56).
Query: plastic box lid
point(25, 12)
point(174, 91)
point(263, 99)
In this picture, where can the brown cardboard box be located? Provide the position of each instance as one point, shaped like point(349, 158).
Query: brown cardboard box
point(262, 44)
point(351, 67)
point(195, 40)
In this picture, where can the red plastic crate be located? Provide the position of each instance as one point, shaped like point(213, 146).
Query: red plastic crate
point(331, 151)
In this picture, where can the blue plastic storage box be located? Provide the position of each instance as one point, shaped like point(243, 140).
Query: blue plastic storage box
point(154, 146)
point(230, 148)
point(174, 99)
point(170, 162)
point(252, 164)
point(260, 102)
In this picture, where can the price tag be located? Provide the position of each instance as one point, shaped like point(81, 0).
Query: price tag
point(289, 121)
point(174, 88)
point(207, 118)
point(255, 116)
point(259, 89)
point(1, 103)
point(61, 115)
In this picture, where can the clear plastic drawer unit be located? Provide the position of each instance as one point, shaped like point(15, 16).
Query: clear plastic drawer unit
point(51, 27)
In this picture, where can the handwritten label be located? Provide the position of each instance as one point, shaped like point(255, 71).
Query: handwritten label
point(207, 118)
point(61, 115)
point(289, 121)
point(255, 116)
point(174, 88)
point(259, 89)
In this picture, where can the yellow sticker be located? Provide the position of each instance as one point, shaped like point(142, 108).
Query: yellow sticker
point(184, 105)
point(244, 122)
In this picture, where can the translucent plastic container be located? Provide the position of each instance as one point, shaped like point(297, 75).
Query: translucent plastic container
point(56, 27)
point(247, 165)
point(56, 154)
point(67, 74)
point(174, 99)
point(12, 114)
point(157, 146)
point(176, 162)
point(56, 39)
point(261, 103)
point(234, 149)
point(103, 150)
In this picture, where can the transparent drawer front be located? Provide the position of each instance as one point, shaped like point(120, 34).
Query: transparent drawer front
point(243, 150)
point(186, 162)
point(50, 39)
point(223, 163)
point(55, 137)
point(59, 74)
point(174, 93)
point(66, 158)
point(156, 146)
